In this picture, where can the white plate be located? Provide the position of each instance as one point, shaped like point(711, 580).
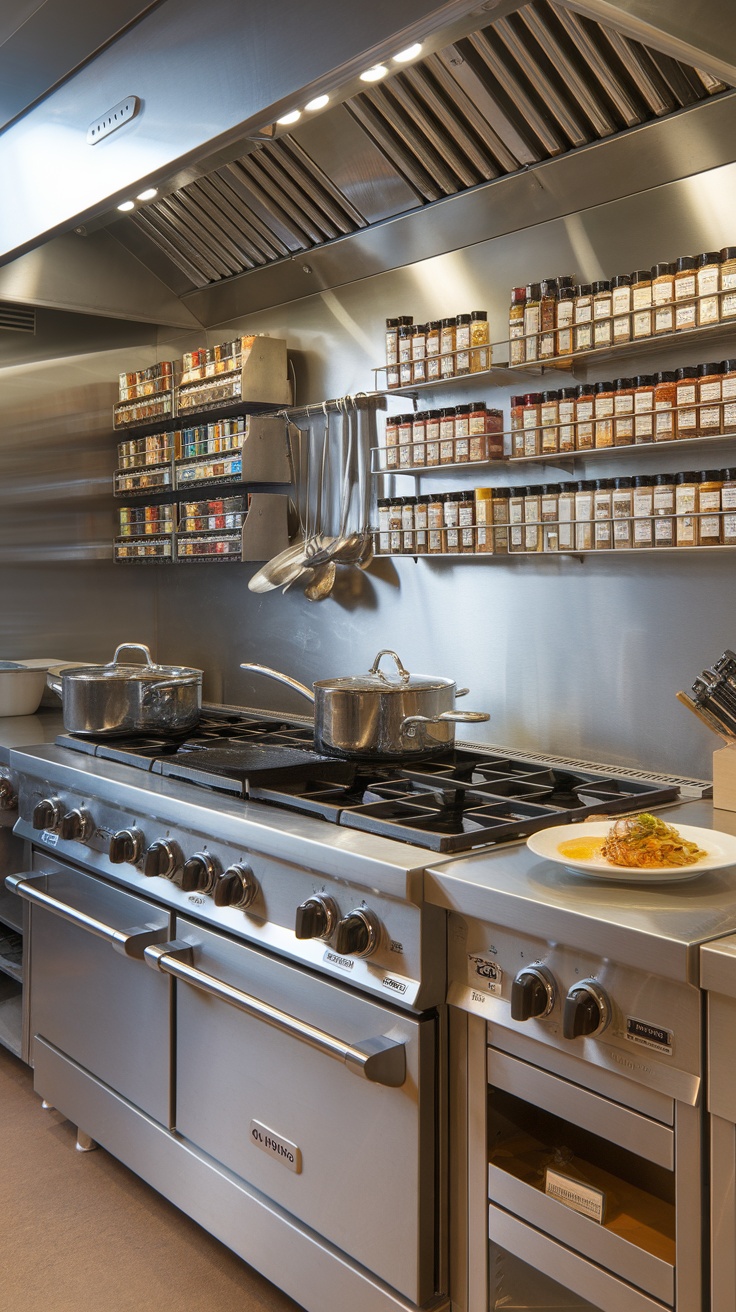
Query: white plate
point(719, 848)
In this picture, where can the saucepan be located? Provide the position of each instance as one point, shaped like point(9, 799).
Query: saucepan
point(120, 699)
point(381, 718)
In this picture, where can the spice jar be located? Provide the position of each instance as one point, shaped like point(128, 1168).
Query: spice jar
point(392, 341)
point(663, 506)
point(432, 437)
point(462, 344)
point(447, 435)
point(728, 282)
point(405, 367)
point(583, 318)
point(710, 382)
point(533, 518)
point(621, 307)
point(623, 412)
point(685, 289)
point(532, 431)
point(603, 415)
point(602, 323)
point(418, 437)
point(494, 434)
point(728, 506)
point(663, 296)
point(602, 513)
point(517, 344)
point(432, 351)
point(566, 418)
point(728, 397)
point(549, 418)
point(708, 281)
point(517, 426)
point(392, 442)
point(564, 315)
point(435, 524)
point(466, 520)
point(686, 509)
point(622, 510)
point(709, 506)
point(447, 348)
point(383, 526)
point(451, 504)
point(484, 519)
point(406, 423)
point(407, 525)
point(395, 506)
point(665, 397)
point(641, 304)
point(480, 342)
point(531, 321)
point(501, 520)
point(584, 490)
point(566, 516)
point(421, 523)
point(516, 518)
point(547, 318)
point(462, 434)
point(584, 405)
point(643, 408)
point(418, 353)
point(477, 431)
point(549, 515)
point(686, 391)
point(642, 510)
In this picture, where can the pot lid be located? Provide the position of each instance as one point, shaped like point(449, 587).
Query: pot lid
point(148, 673)
point(376, 680)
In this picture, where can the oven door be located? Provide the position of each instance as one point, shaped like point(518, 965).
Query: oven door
point(91, 995)
point(280, 1078)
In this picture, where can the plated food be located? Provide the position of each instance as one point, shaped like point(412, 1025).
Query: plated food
point(637, 849)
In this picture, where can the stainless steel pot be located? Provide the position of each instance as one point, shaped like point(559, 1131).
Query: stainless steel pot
point(371, 715)
point(119, 699)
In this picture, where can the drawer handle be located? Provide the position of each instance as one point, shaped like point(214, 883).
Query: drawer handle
point(129, 942)
point(381, 1060)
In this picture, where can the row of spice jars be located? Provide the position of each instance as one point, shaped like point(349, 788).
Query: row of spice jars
point(688, 509)
point(558, 317)
point(444, 348)
point(137, 521)
point(453, 435)
point(693, 401)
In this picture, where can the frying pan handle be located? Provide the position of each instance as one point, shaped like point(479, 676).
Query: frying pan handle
point(280, 678)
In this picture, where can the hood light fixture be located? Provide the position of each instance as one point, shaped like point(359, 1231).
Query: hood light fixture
point(148, 194)
point(319, 102)
point(374, 74)
point(411, 52)
point(126, 205)
point(292, 117)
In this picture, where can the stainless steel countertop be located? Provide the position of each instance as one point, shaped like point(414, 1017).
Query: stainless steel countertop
point(28, 731)
point(657, 927)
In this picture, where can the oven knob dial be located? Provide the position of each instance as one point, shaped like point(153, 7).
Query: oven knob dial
point(46, 813)
point(533, 994)
point(316, 918)
point(200, 873)
point(125, 847)
point(238, 887)
point(162, 858)
point(587, 1010)
point(358, 934)
point(76, 825)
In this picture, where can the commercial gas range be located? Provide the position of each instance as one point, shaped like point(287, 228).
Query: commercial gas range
point(237, 984)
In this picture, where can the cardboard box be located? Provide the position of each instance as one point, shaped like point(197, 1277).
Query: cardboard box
point(724, 779)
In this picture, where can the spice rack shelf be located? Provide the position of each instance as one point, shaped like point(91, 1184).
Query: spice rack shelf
point(600, 552)
point(262, 531)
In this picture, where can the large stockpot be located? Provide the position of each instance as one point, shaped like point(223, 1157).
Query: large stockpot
point(373, 716)
point(116, 699)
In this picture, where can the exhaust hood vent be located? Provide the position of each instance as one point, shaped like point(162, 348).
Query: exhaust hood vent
point(17, 318)
point(541, 82)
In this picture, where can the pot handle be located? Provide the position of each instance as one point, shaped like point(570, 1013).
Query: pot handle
point(54, 683)
point(455, 717)
point(403, 673)
point(280, 678)
point(133, 646)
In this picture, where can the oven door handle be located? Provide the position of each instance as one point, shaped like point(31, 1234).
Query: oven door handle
point(381, 1060)
point(129, 942)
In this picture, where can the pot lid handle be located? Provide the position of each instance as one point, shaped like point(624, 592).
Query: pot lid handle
point(403, 674)
point(133, 646)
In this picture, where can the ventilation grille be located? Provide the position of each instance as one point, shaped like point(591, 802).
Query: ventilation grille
point(17, 318)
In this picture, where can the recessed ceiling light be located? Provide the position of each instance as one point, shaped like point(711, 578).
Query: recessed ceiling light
point(319, 102)
point(148, 194)
point(127, 205)
point(411, 52)
point(374, 74)
point(291, 117)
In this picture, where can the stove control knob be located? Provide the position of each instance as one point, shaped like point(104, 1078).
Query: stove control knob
point(46, 813)
point(587, 1010)
point(76, 825)
point(316, 918)
point(125, 847)
point(533, 994)
point(238, 887)
point(200, 873)
point(358, 934)
point(162, 858)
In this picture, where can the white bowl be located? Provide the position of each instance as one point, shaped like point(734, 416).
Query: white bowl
point(21, 691)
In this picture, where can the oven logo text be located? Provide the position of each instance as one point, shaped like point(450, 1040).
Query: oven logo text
point(271, 1143)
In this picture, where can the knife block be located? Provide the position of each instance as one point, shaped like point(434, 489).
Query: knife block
point(724, 778)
